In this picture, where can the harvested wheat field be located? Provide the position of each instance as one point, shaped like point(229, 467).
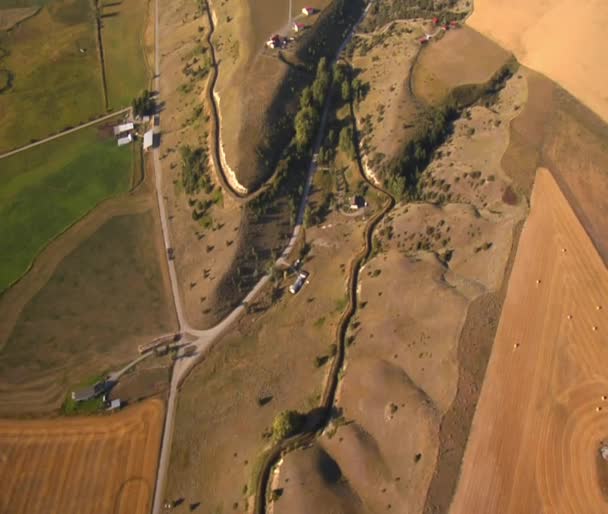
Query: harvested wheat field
point(460, 57)
point(541, 418)
point(99, 465)
point(560, 38)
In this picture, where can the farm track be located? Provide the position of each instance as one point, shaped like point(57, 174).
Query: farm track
point(66, 132)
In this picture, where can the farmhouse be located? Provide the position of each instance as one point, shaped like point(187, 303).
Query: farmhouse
point(358, 202)
point(114, 405)
point(125, 140)
point(274, 42)
point(121, 129)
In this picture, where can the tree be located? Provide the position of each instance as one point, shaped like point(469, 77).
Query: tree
point(346, 91)
point(286, 423)
point(306, 123)
point(346, 141)
point(321, 83)
point(307, 216)
point(143, 104)
point(193, 170)
point(306, 98)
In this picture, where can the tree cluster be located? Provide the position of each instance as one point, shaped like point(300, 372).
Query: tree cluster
point(194, 163)
point(143, 105)
point(403, 174)
point(311, 103)
point(385, 11)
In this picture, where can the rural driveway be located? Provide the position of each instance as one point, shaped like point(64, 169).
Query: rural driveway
point(205, 338)
point(65, 132)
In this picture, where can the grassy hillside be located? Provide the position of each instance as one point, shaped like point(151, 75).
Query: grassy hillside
point(47, 188)
point(53, 61)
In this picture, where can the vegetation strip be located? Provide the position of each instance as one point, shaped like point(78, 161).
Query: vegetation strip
point(329, 393)
point(104, 83)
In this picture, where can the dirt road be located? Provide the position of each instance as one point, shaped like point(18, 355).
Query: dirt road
point(66, 132)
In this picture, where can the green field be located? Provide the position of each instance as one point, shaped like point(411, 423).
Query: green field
point(106, 296)
point(47, 188)
point(54, 61)
point(123, 45)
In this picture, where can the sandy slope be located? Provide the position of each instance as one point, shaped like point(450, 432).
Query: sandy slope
point(564, 39)
point(541, 417)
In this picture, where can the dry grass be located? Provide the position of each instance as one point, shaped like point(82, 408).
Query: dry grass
point(96, 465)
point(13, 16)
point(383, 62)
point(544, 388)
point(270, 355)
point(554, 130)
point(404, 367)
point(203, 255)
point(460, 57)
point(557, 38)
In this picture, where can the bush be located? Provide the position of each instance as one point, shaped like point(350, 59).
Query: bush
point(306, 124)
point(286, 424)
point(346, 141)
point(193, 170)
point(144, 104)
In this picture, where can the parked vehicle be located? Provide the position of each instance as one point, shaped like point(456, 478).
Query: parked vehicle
point(299, 283)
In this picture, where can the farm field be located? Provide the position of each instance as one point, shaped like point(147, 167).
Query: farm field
point(535, 32)
point(128, 49)
point(103, 299)
point(98, 465)
point(94, 294)
point(56, 81)
point(461, 57)
point(556, 131)
point(47, 188)
point(540, 422)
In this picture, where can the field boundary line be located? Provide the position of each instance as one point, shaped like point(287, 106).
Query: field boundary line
point(65, 132)
point(104, 85)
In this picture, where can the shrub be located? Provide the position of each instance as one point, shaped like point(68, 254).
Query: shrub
point(286, 423)
point(143, 104)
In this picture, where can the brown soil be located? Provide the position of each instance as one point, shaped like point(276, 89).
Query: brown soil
point(58, 327)
point(544, 388)
point(462, 56)
point(105, 464)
